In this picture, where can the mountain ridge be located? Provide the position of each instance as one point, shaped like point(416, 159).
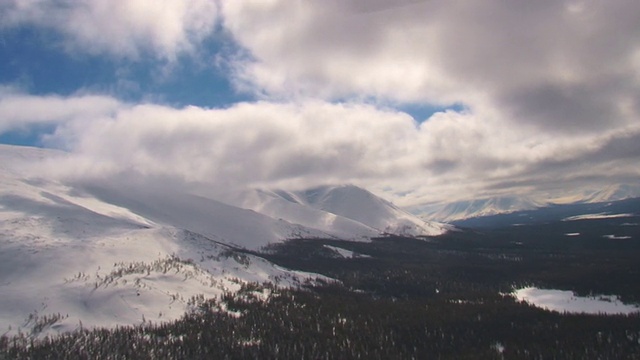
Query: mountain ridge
point(102, 253)
point(451, 212)
point(346, 211)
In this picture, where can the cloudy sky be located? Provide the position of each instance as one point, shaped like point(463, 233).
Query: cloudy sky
point(418, 100)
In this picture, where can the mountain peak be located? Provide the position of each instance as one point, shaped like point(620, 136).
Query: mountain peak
point(354, 205)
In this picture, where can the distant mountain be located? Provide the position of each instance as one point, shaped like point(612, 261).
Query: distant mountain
point(624, 211)
point(609, 193)
point(450, 212)
point(345, 211)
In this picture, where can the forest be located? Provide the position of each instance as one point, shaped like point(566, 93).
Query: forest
point(446, 297)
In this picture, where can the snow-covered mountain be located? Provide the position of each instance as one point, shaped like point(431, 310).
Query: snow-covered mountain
point(448, 212)
point(223, 223)
point(608, 193)
point(107, 254)
point(345, 211)
point(71, 257)
point(459, 210)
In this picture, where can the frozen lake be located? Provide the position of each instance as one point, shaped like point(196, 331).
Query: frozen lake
point(567, 301)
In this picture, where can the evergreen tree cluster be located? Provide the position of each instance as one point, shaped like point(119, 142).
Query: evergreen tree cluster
point(331, 322)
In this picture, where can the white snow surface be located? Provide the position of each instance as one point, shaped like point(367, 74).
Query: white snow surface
point(231, 225)
point(108, 254)
point(465, 209)
point(475, 208)
point(278, 205)
point(568, 302)
point(344, 211)
point(99, 257)
point(596, 216)
point(616, 237)
point(344, 253)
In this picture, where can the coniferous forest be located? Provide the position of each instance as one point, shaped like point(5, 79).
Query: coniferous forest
point(445, 297)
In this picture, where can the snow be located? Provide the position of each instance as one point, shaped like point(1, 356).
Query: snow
point(615, 237)
point(72, 256)
point(596, 216)
point(608, 193)
point(464, 209)
point(345, 212)
point(345, 253)
point(479, 207)
point(362, 206)
point(121, 277)
point(282, 205)
point(224, 223)
point(110, 254)
point(568, 302)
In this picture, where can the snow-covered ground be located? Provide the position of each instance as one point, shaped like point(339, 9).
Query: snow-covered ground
point(480, 207)
point(104, 253)
point(567, 301)
point(344, 211)
point(69, 258)
point(596, 216)
point(127, 276)
point(616, 237)
point(345, 253)
point(459, 210)
point(238, 227)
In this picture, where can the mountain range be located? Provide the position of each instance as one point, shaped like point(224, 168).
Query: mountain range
point(449, 212)
point(108, 254)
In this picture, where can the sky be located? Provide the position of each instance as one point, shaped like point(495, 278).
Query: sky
point(419, 101)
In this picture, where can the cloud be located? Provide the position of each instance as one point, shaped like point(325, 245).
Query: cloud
point(19, 111)
point(452, 156)
point(561, 66)
point(259, 144)
point(121, 28)
point(550, 92)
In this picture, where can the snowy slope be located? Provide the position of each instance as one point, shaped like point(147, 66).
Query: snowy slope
point(344, 209)
point(447, 212)
point(109, 254)
point(610, 193)
point(223, 223)
point(71, 259)
point(459, 210)
point(280, 205)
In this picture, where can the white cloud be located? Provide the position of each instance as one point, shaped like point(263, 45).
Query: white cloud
point(551, 92)
point(452, 156)
point(122, 28)
point(19, 111)
point(567, 66)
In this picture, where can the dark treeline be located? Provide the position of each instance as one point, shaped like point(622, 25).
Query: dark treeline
point(443, 298)
point(333, 323)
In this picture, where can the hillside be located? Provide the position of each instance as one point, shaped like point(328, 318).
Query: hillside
point(110, 253)
point(70, 258)
point(346, 212)
point(449, 212)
